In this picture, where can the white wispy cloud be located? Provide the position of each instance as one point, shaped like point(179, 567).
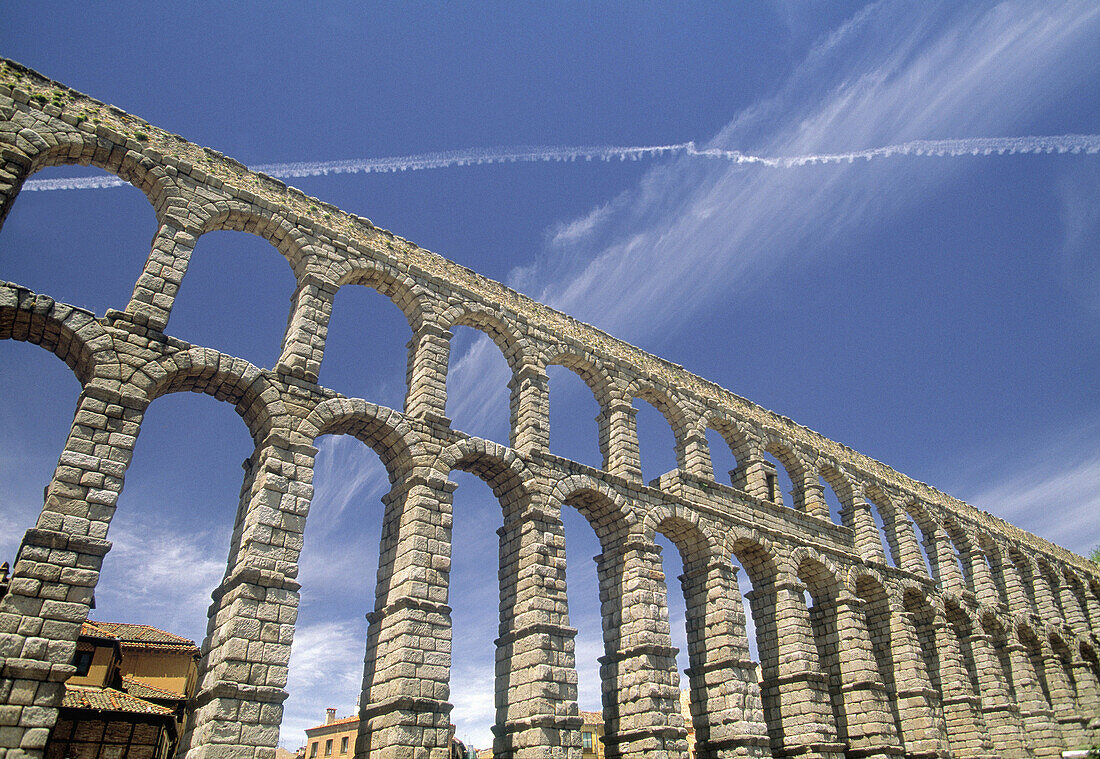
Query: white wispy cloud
point(692, 231)
point(477, 387)
point(472, 695)
point(1080, 265)
point(159, 574)
point(347, 474)
point(1053, 490)
point(326, 670)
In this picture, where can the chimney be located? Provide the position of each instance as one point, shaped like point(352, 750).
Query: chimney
point(330, 716)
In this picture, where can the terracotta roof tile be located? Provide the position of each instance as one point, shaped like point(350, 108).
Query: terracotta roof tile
point(144, 690)
point(108, 700)
point(94, 630)
point(144, 635)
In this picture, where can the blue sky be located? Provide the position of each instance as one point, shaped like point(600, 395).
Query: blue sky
point(938, 313)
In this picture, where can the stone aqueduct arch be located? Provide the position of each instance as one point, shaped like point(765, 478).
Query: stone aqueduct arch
point(994, 654)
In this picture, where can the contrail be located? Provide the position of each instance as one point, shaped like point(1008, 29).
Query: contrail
point(974, 146)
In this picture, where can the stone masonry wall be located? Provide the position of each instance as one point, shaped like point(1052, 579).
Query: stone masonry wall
point(992, 653)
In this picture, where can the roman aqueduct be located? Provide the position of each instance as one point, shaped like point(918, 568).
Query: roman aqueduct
point(992, 653)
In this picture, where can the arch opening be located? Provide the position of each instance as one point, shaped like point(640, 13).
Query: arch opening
point(656, 438)
point(338, 565)
point(722, 457)
point(994, 561)
point(832, 498)
point(484, 669)
point(65, 247)
point(478, 376)
point(757, 579)
point(1034, 651)
point(36, 413)
point(235, 297)
point(574, 413)
point(366, 347)
point(821, 605)
point(877, 616)
point(478, 581)
point(672, 566)
point(963, 630)
point(582, 545)
point(171, 532)
point(1023, 569)
point(779, 487)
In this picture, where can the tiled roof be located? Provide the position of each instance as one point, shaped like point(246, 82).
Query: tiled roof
point(108, 700)
point(144, 635)
point(335, 723)
point(94, 630)
point(144, 690)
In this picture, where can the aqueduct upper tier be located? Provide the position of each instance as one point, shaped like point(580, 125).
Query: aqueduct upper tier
point(988, 648)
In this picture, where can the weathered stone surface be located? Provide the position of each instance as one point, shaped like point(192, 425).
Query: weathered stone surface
point(995, 654)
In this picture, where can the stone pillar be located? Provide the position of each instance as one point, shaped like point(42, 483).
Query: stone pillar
point(967, 733)
point(1016, 585)
point(814, 500)
point(921, 716)
point(1044, 737)
point(40, 616)
point(307, 328)
point(530, 409)
point(237, 707)
point(693, 454)
point(1088, 691)
point(1071, 607)
point(794, 689)
point(726, 711)
point(57, 567)
point(1092, 604)
point(869, 723)
point(903, 539)
point(1046, 599)
point(1002, 715)
point(985, 587)
point(751, 475)
point(641, 691)
point(619, 439)
point(1063, 697)
point(536, 678)
point(949, 574)
point(426, 376)
point(159, 282)
point(862, 521)
point(403, 709)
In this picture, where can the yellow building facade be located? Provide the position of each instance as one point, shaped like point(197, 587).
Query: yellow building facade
point(128, 696)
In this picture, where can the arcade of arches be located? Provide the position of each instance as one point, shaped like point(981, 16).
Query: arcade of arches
point(975, 639)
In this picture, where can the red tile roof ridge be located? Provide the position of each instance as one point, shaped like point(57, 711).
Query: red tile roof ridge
point(93, 630)
point(109, 700)
point(136, 687)
point(132, 633)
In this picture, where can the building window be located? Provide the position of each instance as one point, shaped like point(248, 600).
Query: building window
point(83, 662)
point(344, 745)
point(313, 750)
point(586, 741)
point(328, 747)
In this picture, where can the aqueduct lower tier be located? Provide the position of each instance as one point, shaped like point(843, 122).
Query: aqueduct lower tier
point(992, 653)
